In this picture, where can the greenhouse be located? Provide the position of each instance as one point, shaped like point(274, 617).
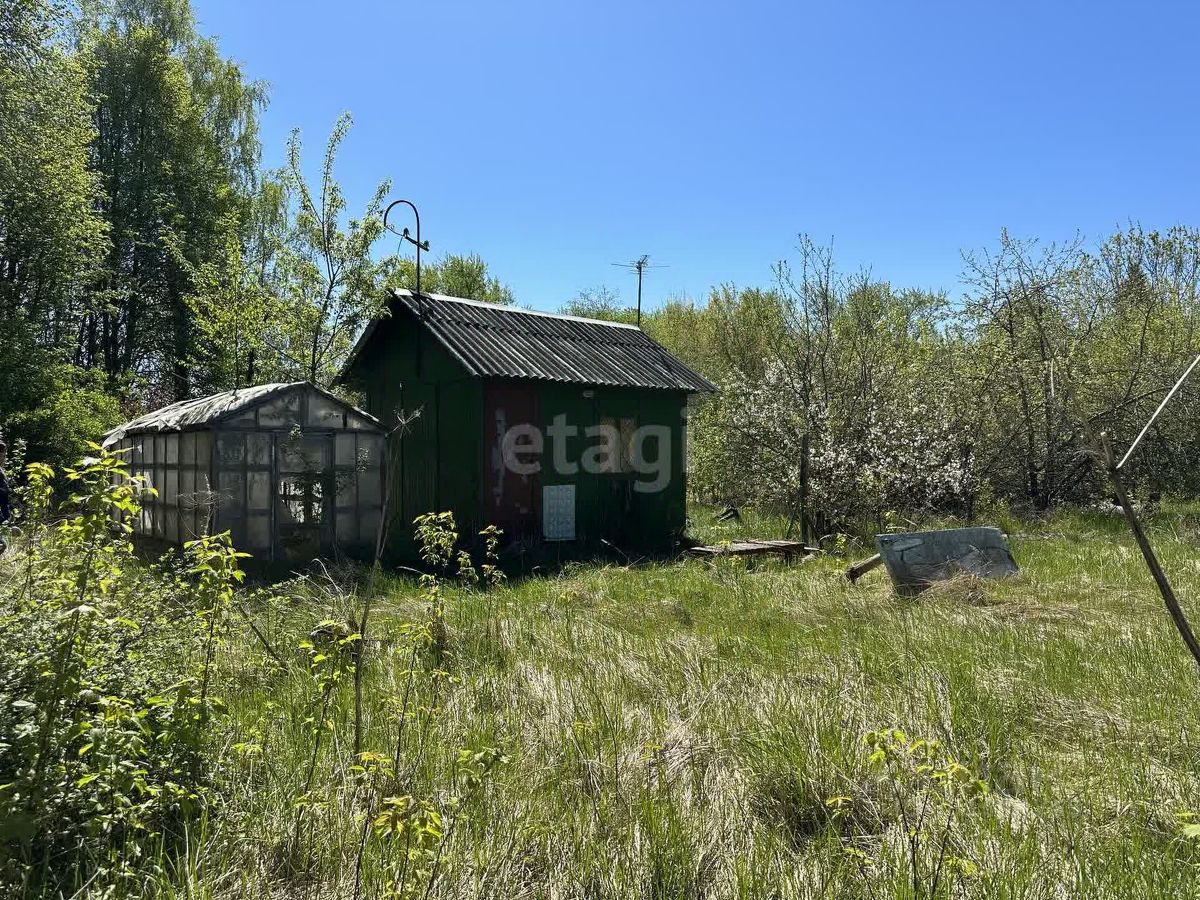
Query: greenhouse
point(292, 471)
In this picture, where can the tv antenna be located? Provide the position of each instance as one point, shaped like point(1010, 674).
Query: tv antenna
point(639, 265)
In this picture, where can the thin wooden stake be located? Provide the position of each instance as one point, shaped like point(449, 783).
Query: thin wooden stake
point(1160, 577)
point(804, 529)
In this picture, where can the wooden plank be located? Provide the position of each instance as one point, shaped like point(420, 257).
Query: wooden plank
point(862, 567)
point(754, 548)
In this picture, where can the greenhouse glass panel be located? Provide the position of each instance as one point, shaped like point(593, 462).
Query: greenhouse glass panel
point(258, 533)
point(280, 411)
point(347, 489)
point(258, 490)
point(258, 449)
point(230, 449)
point(347, 528)
point(324, 412)
point(231, 495)
point(371, 448)
point(187, 448)
point(369, 491)
point(308, 453)
point(344, 449)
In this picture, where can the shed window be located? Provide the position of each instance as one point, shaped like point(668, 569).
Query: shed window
point(617, 439)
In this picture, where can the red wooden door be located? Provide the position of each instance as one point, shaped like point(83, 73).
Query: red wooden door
point(510, 491)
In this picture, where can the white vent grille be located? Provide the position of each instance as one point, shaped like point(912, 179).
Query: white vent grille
point(558, 512)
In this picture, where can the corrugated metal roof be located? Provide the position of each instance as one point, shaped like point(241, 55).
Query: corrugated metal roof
point(208, 410)
point(493, 341)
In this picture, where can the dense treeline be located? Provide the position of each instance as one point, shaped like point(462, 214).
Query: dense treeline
point(146, 255)
point(913, 401)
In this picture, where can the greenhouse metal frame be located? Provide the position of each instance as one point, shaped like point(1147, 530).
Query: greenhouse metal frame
point(290, 470)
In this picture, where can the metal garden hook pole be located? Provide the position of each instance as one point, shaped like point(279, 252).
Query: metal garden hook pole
point(404, 235)
point(420, 245)
point(1139, 535)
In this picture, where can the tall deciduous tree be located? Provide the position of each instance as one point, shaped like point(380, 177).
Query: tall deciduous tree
point(243, 328)
point(51, 238)
point(176, 148)
point(453, 275)
point(330, 284)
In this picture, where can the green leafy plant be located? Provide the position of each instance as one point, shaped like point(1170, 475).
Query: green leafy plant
point(926, 784)
point(105, 677)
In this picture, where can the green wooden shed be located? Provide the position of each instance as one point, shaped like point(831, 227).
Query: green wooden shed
point(560, 430)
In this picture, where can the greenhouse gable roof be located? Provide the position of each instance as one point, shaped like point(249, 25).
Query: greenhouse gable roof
point(202, 411)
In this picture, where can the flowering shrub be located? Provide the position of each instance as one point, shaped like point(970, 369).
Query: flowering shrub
point(911, 403)
point(899, 445)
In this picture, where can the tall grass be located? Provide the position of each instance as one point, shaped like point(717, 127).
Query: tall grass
point(691, 729)
point(680, 730)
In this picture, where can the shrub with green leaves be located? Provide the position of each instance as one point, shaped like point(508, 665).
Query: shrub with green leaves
point(105, 686)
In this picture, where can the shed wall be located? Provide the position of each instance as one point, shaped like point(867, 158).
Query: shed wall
point(437, 455)
point(608, 505)
point(443, 453)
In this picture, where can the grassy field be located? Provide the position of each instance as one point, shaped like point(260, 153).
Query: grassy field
point(697, 730)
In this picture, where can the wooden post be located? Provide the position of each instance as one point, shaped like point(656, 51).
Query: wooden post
point(862, 567)
point(1160, 577)
point(804, 536)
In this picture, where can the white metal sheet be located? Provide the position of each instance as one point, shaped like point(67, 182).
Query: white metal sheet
point(558, 512)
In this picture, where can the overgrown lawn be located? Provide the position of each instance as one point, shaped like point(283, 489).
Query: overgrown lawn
point(697, 730)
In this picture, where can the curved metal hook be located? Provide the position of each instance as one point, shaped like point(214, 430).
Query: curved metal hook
point(404, 235)
point(420, 245)
point(412, 206)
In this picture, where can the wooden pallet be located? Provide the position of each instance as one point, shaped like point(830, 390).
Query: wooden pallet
point(786, 549)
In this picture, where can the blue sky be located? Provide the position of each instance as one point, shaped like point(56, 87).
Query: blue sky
point(557, 138)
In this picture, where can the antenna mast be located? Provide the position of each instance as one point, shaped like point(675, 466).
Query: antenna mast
point(639, 265)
